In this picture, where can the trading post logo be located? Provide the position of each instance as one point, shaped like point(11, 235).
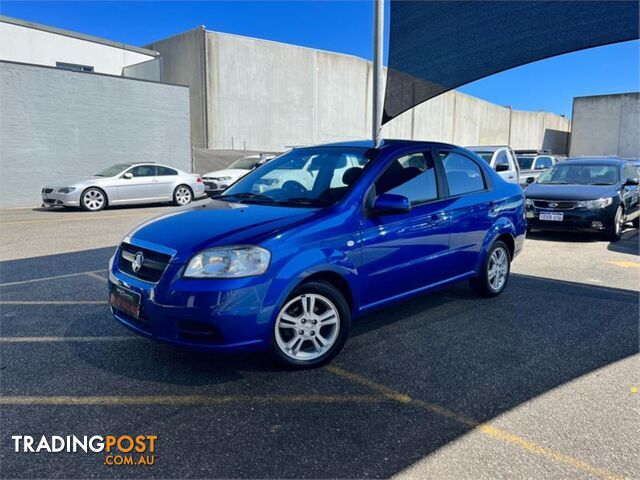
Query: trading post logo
point(117, 449)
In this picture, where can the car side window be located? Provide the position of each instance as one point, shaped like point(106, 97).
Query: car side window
point(412, 176)
point(543, 163)
point(143, 171)
point(166, 171)
point(502, 159)
point(629, 172)
point(463, 174)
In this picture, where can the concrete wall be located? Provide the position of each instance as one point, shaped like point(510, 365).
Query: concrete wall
point(56, 124)
point(29, 45)
point(183, 63)
point(606, 125)
point(265, 96)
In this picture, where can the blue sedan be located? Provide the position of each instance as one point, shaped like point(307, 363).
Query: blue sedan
point(320, 235)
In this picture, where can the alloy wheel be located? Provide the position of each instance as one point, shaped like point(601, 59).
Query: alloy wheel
point(498, 269)
point(183, 196)
point(618, 223)
point(93, 200)
point(307, 327)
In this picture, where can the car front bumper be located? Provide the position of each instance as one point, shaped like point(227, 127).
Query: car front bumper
point(202, 314)
point(53, 198)
point(597, 220)
point(212, 187)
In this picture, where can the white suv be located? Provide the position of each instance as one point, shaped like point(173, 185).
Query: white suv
point(502, 159)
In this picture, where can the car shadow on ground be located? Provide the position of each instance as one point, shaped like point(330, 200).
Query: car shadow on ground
point(475, 357)
point(628, 243)
point(116, 207)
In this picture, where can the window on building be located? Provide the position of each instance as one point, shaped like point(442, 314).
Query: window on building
point(74, 67)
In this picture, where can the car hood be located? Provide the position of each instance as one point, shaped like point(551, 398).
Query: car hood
point(216, 223)
point(570, 192)
point(232, 172)
point(81, 182)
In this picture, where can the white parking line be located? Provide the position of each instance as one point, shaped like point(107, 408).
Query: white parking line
point(96, 276)
point(54, 277)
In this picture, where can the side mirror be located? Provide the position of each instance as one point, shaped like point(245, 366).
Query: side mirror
point(388, 203)
point(632, 182)
point(530, 180)
point(128, 175)
point(502, 167)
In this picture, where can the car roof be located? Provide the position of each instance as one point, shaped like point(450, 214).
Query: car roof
point(598, 160)
point(384, 144)
point(486, 148)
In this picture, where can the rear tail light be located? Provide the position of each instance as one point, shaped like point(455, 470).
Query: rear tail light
point(198, 180)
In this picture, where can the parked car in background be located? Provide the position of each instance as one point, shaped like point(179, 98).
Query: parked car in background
point(531, 166)
point(218, 181)
point(286, 269)
point(594, 194)
point(502, 159)
point(125, 184)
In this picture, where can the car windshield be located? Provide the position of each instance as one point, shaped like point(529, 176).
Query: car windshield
point(580, 174)
point(525, 162)
point(246, 163)
point(316, 177)
point(113, 170)
point(486, 156)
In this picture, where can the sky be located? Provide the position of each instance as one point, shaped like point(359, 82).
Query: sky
point(339, 26)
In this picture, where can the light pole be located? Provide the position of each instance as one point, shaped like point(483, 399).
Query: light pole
point(378, 37)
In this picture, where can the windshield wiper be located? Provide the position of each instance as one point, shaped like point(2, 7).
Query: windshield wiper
point(304, 201)
point(558, 182)
point(246, 196)
point(601, 183)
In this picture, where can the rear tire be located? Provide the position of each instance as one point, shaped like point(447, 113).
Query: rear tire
point(93, 200)
point(311, 327)
point(494, 275)
point(182, 195)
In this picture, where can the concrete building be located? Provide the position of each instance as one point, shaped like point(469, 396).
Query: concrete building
point(261, 95)
point(71, 105)
point(606, 125)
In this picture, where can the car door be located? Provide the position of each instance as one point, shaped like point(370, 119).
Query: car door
point(470, 208)
point(166, 180)
point(630, 193)
point(505, 166)
point(404, 252)
point(140, 187)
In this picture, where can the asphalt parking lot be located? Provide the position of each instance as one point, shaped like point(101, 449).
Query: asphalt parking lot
point(540, 382)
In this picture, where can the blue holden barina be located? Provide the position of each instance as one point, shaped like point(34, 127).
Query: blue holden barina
point(294, 250)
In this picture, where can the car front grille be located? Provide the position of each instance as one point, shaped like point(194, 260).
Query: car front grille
point(555, 205)
point(153, 265)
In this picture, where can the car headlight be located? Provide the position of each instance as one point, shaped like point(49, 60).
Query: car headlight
point(528, 202)
point(222, 179)
point(229, 262)
point(594, 204)
point(66, 189)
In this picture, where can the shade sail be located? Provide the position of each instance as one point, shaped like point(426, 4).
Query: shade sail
point(435, 46)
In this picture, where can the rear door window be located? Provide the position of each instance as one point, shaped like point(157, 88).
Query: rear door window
point(463, 174)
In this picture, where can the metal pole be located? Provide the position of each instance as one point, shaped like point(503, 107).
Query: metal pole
point(378, 25)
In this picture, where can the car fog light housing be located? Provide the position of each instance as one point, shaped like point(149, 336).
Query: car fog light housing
point(530, 215)
point(595, 204)
point(597, 225)
point(66, 189)
point(528, 202)
point(229, 262)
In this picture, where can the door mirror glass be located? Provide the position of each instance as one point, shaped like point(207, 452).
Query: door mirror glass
point(128, 175)
point(502, 167)
point(388, 203)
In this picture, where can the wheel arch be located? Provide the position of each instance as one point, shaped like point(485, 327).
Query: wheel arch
point(104, 192)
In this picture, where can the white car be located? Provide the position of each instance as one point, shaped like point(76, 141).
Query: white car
point(125, 184)
point(531, 166)
point(502, 159)
point(218, 181)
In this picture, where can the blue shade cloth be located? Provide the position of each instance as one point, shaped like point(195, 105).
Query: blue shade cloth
point(436, 46)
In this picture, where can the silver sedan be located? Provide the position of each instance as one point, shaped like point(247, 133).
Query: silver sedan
point(126, 184)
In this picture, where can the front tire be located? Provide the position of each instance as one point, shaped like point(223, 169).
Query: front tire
point(311, 327)
point(494, 274)
point(614, 232)
point(182, 195)
point(93, 200)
